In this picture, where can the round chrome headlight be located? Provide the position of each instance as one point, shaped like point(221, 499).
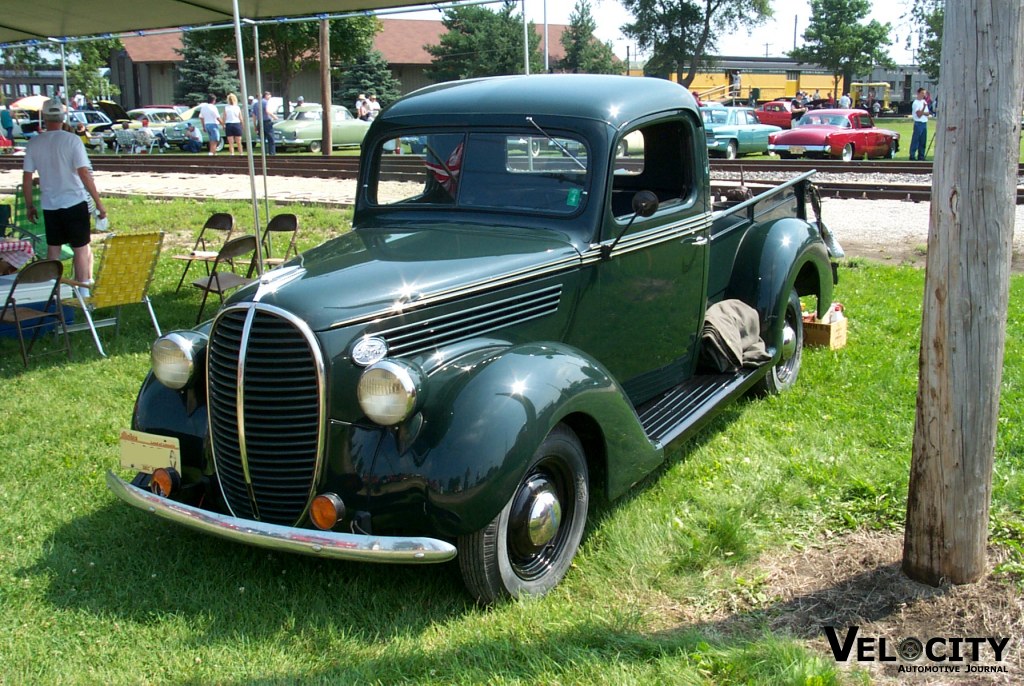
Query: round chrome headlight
point(174, 358)
point(388, 391)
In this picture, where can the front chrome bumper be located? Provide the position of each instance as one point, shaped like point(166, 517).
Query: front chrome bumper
point(339, 546)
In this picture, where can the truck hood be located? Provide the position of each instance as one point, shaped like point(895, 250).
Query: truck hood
point(373, 273)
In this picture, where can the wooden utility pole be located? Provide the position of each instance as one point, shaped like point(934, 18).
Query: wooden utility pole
point(966, 296)
point(325, 85)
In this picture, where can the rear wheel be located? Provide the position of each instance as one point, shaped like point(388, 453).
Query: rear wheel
point(848, 152)
point(314, 146)
point(783, 375)
point(528, 547)
point(892, 150)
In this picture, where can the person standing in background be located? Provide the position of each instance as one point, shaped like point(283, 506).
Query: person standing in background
point(7, 123)
point(79, 100)
point(372, 107)
point(268, 118)
point(919, 139)
point(233, 124)
point(210, 117)
point(65, 186)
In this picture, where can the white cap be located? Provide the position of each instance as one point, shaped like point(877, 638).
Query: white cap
point(52, 110)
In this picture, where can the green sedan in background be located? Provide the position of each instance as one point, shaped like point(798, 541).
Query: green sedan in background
point(735, 131)
point(304, 129)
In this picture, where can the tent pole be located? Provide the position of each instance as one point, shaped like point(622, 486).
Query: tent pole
point(259, 99)
point(240, 54)
point(64, 71)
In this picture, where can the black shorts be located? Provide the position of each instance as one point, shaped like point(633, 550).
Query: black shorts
point(231, 130)
point(68, 225)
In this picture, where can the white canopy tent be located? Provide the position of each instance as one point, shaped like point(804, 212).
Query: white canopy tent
point(49, 19)
point(58, 21)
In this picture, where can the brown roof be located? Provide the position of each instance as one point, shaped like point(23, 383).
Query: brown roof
point(153, 48)
point(401, 41)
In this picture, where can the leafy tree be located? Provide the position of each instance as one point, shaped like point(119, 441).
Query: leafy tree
point(583, 53)
point(837, 40)
point(685, 32)
point(481, 42)
point(927, 16)
point(85, 73)
point(85, 61)
point(369, 74)
point(203, 72)
point(286, 48)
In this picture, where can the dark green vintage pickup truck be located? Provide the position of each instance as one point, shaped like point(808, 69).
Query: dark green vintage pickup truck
point(508, 331)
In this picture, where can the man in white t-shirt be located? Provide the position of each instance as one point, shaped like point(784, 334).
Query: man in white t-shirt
point(919, 138)
point(211, 120)
point(845, 101)
point(65, 186)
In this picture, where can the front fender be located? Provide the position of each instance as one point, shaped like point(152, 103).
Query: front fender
point(483, 422)
point(178, 414)
point(772, 260)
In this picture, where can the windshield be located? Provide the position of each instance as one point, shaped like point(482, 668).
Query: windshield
point(502, 171)
point(812, 119)
point(307, 115)
point(715, 116)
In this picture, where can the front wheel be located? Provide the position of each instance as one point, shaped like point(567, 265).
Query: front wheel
point(783, 375)
point(731, 150)
point(848, 152)
point(892, 150)
point(314, 146)
point(528, 547)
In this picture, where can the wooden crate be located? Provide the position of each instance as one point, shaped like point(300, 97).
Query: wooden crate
point(831, 335)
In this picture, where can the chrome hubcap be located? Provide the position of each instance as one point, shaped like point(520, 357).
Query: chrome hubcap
point(535, 518)
point(544, 518)
point(788, 342)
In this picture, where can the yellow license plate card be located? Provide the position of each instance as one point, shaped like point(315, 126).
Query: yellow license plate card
point(144, 452)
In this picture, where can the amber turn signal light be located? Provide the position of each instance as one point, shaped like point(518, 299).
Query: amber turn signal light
point(164, 481)
point(326, 511)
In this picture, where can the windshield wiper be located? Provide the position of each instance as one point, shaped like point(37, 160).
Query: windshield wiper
point(558, 144)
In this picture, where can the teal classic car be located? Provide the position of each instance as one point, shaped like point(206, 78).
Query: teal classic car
point(497, 339)
point(304, 129)
point(176, 133)
point(735, 131)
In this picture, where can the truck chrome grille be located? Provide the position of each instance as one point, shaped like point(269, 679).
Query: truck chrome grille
point(436, 332)
point(265, 398)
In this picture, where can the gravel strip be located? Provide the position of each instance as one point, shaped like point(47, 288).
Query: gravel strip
point(864, 227)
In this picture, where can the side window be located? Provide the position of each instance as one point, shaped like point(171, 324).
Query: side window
point(667, 169)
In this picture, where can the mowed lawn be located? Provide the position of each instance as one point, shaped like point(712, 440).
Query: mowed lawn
point(93, 591)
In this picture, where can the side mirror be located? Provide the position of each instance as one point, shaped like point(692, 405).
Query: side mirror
point(645, 203)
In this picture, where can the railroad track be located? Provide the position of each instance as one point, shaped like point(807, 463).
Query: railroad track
point(409, 168)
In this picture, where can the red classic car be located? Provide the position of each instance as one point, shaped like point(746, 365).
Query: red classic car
point(844, 134)
point(777, 113)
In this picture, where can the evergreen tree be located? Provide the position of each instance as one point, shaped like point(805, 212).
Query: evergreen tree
point(369, 74)
point(480, 42)
point(584, 54)
point(204, 72)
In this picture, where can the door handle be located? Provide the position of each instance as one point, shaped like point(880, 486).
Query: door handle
point(700, 240)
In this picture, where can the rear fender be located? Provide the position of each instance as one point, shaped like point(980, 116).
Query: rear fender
point(483, 421)
point(772, 260)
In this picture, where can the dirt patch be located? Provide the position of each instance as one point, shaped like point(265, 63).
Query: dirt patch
point(855, 581)
point(908, 253)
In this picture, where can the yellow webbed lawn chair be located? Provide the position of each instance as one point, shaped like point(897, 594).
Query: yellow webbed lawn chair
point(125, 273)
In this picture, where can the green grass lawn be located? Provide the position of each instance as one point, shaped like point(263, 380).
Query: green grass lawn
point(93, 591)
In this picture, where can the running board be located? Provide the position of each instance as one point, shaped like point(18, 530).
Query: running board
point(688, 405)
